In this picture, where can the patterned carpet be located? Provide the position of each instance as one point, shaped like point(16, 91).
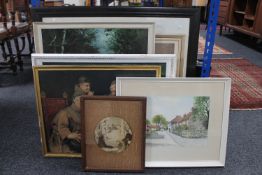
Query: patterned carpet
point(246, 78)
point(216, 50)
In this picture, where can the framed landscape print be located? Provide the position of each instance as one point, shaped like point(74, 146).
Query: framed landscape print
point(168, 21)
point(106, 38)
point(166, 61)
point(187, 119)
point(58, 90)
point(171, 45)
point(113, 139)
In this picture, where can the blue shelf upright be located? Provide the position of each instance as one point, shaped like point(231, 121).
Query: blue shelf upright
point(161, 3)
point(35, 3)
point(210, 37)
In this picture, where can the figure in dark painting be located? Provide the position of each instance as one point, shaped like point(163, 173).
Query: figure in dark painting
point(112, 88)
point(65, 136)
point(84, 85)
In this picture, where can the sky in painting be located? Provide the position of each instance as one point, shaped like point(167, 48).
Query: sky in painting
point(169, 107)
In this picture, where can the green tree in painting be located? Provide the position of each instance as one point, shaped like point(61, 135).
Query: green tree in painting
point(201, 110)
point(69, 40)
point(160, 121)
point(127, 41)
point(148, 122)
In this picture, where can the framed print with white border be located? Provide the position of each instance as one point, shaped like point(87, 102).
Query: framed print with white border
point(103, 38)
point(167, 61)
point(187, 119)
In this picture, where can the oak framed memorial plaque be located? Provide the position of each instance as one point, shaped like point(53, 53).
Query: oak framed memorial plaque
point(113, 133)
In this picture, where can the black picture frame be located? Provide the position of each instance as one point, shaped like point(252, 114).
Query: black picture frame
point(79, 11)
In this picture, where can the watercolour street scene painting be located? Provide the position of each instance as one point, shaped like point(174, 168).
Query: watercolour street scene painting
point(184, 124)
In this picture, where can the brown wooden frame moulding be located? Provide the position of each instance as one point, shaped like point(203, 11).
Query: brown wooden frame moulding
point(126, 115)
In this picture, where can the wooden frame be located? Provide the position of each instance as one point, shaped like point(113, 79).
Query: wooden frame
point(167, 61)
point(172, 45)
point(100, 154)
point(188, 139)
point(144, 32)
point(152, 14)
point(64, 81)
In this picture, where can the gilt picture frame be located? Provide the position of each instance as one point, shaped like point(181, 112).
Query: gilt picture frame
point(187, 119)
point(58, 90)
point(102, 38)
point(111, 133)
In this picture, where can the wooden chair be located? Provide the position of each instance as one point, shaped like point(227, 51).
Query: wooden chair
point(51, 106)
point(19, 27)
point(5, 38)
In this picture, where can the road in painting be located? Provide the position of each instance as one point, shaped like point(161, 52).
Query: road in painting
point(95, 40)
point(177, 122)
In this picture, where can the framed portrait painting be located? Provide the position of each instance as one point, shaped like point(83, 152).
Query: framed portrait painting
point(187, 119)
point(58, 90)
point(166, 61)
point(103, 38)
point(113, 139)
point(183, 22)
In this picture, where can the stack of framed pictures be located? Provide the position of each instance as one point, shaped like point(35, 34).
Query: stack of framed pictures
point(86, 57)
point(58, 76)
point(170, 24)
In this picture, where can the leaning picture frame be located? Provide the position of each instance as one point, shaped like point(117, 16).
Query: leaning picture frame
point(166, 61)
point(103, 38)
point(113, 140)
point(58, 90)
point(172, 45)
point(187, 119)
point(168, 21)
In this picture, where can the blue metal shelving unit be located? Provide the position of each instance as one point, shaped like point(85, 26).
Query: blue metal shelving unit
point(161, 3)
point(210, 37)
point(35, 3)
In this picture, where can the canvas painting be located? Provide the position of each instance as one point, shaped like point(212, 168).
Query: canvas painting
point(94, 38)
point(58, 92)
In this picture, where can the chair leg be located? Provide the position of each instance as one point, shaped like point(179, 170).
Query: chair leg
point(18, 54)
point(3, 50)
point(220, 30)
point(12, 63)
point(30, 42)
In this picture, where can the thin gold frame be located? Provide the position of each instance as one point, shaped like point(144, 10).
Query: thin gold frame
point(36, 70)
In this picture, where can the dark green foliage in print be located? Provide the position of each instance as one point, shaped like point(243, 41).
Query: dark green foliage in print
point(130, 41)
point(201, 109)
point(69, 41)
point(103, 41)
